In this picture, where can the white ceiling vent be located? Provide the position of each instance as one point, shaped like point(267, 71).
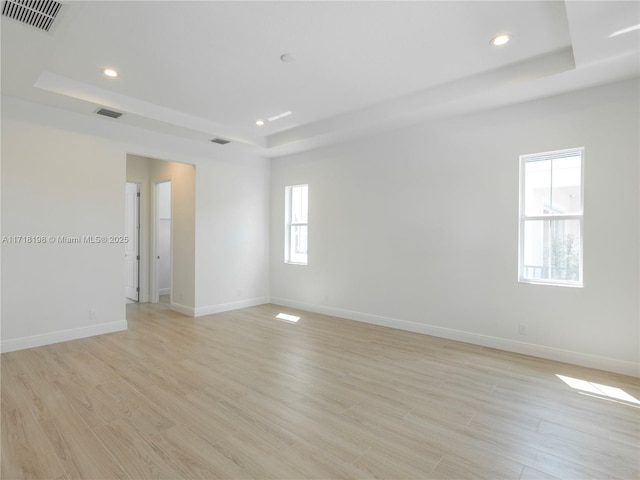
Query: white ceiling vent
point(108, 113)
point(220, 141)
point(36, 13)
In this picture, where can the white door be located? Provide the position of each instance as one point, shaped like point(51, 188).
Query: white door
point(131, 255)
point(164, 237)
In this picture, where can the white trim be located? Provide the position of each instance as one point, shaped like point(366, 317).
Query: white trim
point(177, 307)
point(164, 291)
point(289, 223)
point(154, 288)
point(541, 351)
point(225, 307)
point(523, 217)
point(549, 284)
point(142, 296)
point(61, 336)
point(143, 280)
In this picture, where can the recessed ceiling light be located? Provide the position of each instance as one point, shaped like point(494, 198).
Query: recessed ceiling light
point(625, 30)
point(110, 72)
point(501, 39)
point(260, 122)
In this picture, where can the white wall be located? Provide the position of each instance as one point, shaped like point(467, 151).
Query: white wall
point(231, 266)
point(419, 230)
point(416, 230)
point(52, 190)
point(64, 174)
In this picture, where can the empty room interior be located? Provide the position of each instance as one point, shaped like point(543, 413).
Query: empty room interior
point(320, 240)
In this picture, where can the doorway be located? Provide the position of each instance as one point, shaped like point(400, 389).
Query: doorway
point(162, 273)
point(178, 217)
point(132, 247)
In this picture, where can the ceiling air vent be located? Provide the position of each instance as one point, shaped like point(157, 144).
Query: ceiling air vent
point(220, 141)
point(108, 113)
point(36, 13)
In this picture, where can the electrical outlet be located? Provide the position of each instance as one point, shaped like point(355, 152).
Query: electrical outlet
point(93, 314)
point(522, 329)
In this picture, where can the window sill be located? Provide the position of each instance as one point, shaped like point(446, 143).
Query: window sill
point(549, 283)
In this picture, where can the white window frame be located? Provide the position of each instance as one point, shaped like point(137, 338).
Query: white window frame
point(290, 225)
point(552, 217)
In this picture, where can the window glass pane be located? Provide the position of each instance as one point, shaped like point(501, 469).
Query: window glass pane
point(551, 250)
point(298, 244)
point(534, 255)
point(566, 180)
point(299, 204)
point(296, 218)
point(304, 204)
point(537, 187)
point(296, 205)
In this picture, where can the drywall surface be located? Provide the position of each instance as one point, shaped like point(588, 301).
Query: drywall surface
point(232, 266)
point(64, 174)
point(65, 277)
point(419, 230)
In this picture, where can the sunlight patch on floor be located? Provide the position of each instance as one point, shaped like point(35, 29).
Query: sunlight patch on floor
point(599, 390)
point(288, 318)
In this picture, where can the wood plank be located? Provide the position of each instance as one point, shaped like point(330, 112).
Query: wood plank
point(137, 454)
point(241, 394)
point(26, 452)
point(196, 455)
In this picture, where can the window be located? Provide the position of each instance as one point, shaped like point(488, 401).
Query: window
point(296, 224)
point(551, 200)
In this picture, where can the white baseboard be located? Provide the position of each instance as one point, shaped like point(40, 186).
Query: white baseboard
point(550, 353)
point(61, 336)
point(182, 309)
point(164, 291)
point(225, 307)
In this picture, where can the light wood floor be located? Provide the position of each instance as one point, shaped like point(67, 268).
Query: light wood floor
point(244, 395)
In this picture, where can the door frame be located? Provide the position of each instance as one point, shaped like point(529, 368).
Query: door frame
point(138, 228)
point(154, 288)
